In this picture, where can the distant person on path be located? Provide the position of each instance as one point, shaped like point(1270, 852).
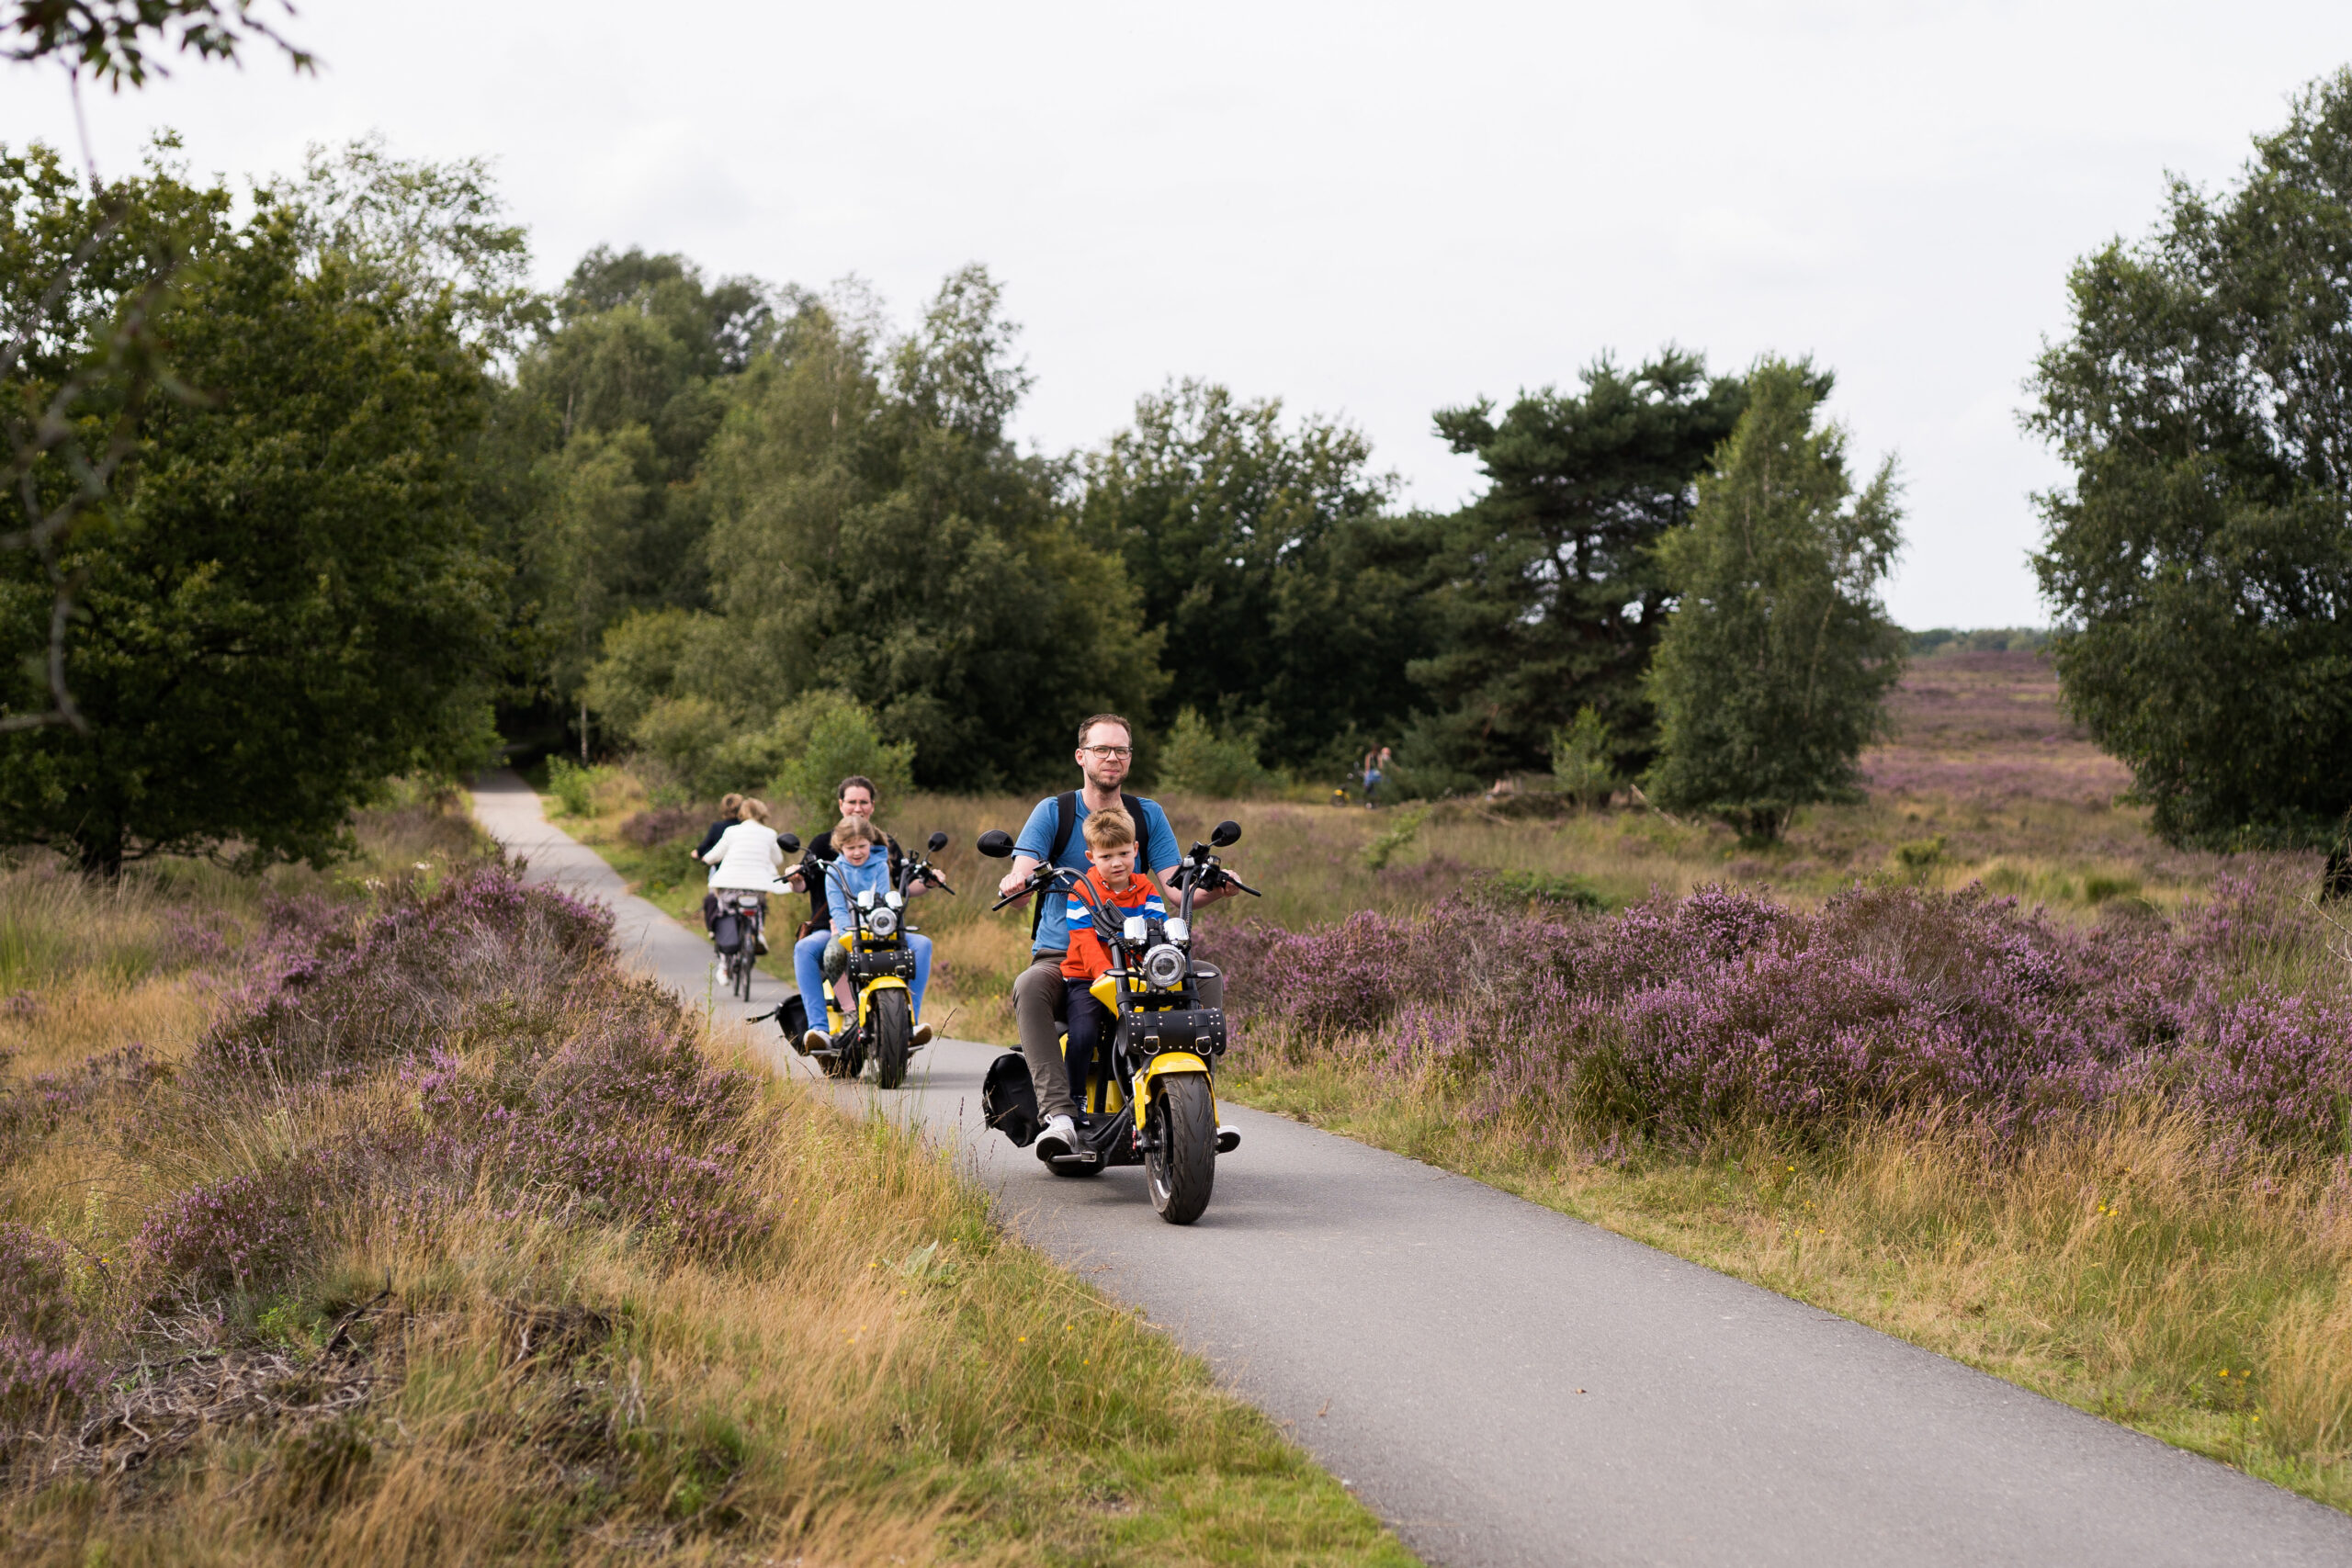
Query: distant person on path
point(730, 810)
point(1376, 769)
point(1053, 835)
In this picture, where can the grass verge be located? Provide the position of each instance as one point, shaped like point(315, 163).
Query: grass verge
point(2107, 1268)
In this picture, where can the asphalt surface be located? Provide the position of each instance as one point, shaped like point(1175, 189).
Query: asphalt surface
point(1504, 1386)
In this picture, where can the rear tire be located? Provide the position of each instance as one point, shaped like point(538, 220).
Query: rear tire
point(894, 1033)
point(1181, 1167)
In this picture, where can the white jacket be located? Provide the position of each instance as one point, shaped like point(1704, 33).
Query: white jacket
point(747, 859)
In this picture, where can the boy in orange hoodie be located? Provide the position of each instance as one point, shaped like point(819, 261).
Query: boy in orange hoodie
point(1111, 852)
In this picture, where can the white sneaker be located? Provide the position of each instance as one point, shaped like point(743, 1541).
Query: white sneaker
point(1059, 1139)
point(922, 1034)
point(816, 1040)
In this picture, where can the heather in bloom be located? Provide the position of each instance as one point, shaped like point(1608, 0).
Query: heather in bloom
point(536, 1074)
point(39, 1380)
point(36, 1286)
point(1681, 1016)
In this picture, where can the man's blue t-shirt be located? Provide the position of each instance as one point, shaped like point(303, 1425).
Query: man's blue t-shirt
point(1159, 854)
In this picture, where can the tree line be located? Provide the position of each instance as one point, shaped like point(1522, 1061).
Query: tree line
point(377, 503)
point(855, 524)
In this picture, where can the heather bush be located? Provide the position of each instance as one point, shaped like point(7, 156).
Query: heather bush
point(34, 1108)
point(539, 1078)
point(659, 825)
point(327, 1000)
point(36, 1286)
point(1683, 1017)
point(231, 1233)
point(42, 1382)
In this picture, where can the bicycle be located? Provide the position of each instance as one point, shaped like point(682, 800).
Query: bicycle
point(736, 932)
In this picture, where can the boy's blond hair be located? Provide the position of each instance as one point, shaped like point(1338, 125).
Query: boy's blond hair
point(1111, 830)
point(854, 829)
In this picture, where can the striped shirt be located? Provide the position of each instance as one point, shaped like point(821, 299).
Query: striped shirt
point(1088, 957)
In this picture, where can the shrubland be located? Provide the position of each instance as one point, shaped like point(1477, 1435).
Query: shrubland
point(386, 1218)
point(1977, 1060)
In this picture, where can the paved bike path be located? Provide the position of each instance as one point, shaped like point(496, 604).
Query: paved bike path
point(1505, 1385)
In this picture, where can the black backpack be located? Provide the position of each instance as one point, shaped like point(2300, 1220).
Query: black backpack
point(1009, 1099)
point(1065, 824)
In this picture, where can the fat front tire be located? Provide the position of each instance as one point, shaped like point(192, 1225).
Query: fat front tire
point(894, 1035)
point(1182, 1167)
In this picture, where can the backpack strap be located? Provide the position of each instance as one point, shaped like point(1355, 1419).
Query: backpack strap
point(1134, 809)
point(1064, 823)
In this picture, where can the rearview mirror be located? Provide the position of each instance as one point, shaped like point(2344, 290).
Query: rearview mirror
point(938, 842)
point(1225, 833)
point(996, 844)
point(788, 843)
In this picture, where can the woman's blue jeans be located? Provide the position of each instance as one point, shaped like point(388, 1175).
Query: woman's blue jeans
point(807, 961)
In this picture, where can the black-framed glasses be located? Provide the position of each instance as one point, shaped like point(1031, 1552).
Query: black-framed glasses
point(1110, 751)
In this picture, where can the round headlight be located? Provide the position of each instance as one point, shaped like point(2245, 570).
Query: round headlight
point(1164, 966)
point(882, 922)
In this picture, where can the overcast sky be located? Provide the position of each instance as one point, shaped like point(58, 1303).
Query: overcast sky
point(1367, 209)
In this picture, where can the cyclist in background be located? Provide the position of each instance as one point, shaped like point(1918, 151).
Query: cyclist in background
point(747, 858)
point(730, 810)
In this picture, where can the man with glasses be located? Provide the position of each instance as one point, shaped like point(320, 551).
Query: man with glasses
point(1053, 836)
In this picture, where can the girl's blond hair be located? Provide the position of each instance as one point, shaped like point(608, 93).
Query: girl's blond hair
point(753, 811)
point(855, 828)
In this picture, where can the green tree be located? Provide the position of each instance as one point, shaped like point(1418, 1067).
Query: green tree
point(112, 39)
point(420, 236)
point(1196, 758)
point(1773, 667)
point(1581, 759)
point(1260, 549)
point(814, 742)
point(587, 546)
point(293, 603)
point(600, 448)
point(1552, 599)
point(876, 533)
point(2201, 561)
point(70, 430)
